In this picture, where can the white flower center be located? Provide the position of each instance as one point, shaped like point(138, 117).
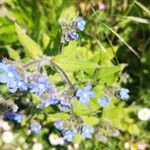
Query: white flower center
point(85, 95)
point(19, 83)
point(41, 86)
point(10, 75)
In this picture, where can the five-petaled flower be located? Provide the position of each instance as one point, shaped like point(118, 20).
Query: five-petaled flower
point(35, 128)
point(69, 135)
point(104, 101)
point(87, 131)
point(73, 35)
point(59, 124)
point(123, 93)
point(85, 94)
point(80, 23)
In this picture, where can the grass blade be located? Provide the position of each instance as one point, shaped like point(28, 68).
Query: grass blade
point(142, 7)
point(121, 39)
point(138, 19)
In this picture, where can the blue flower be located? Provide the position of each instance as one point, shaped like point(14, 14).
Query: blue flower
point(69, 135)
point(64, 105)
point(17, 83)
point(104, 101)
point(123, 94)
point(12, 116)
point(8, 73)
point(10, 76)
point(73, 35)
point(80, 23)
point(3, 69)
point(35, 128)
point(85, 94)
point(41, 86)
point(54, 101)
point(59, 124)
point(87, 131)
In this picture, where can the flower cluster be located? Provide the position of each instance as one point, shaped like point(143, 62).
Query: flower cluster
point(70, 29)
point(37, 83)
point(84, 95)
point(63, 105)
point(70, 132)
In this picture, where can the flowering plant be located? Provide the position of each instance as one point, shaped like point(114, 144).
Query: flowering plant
point(75, 90)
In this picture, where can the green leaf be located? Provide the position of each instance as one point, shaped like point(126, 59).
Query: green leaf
point(109, 74)
point(133, 129)
point(75, 64)
point(77, 138)
point(69, 13)
point(120, 116)
point(75, 58)
point(45, 40)
point(80, 109)
point(54, 117)
point(13, 53)
point(32, 48)
point(90, 120)
point(7, 29)
point(106, 57)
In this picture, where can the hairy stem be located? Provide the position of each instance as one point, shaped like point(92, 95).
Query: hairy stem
point(31, 63)
point(62, 73)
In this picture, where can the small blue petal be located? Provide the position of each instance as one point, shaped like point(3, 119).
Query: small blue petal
point(59, 124)
point(80, 23)
point(41, 86)
point(35, 128)
point(123, 94)
point(73, 35)
point(84, 101)
point(3, 79)
point(69, 135)
point(104, 101)
point(3, 67)
point(87, 88)
point(87, 131)
point(12, 116)
point(64, 105)
point(79, 93)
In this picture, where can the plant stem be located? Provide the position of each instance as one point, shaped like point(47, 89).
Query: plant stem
point(62, 72)
point(31, 63)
